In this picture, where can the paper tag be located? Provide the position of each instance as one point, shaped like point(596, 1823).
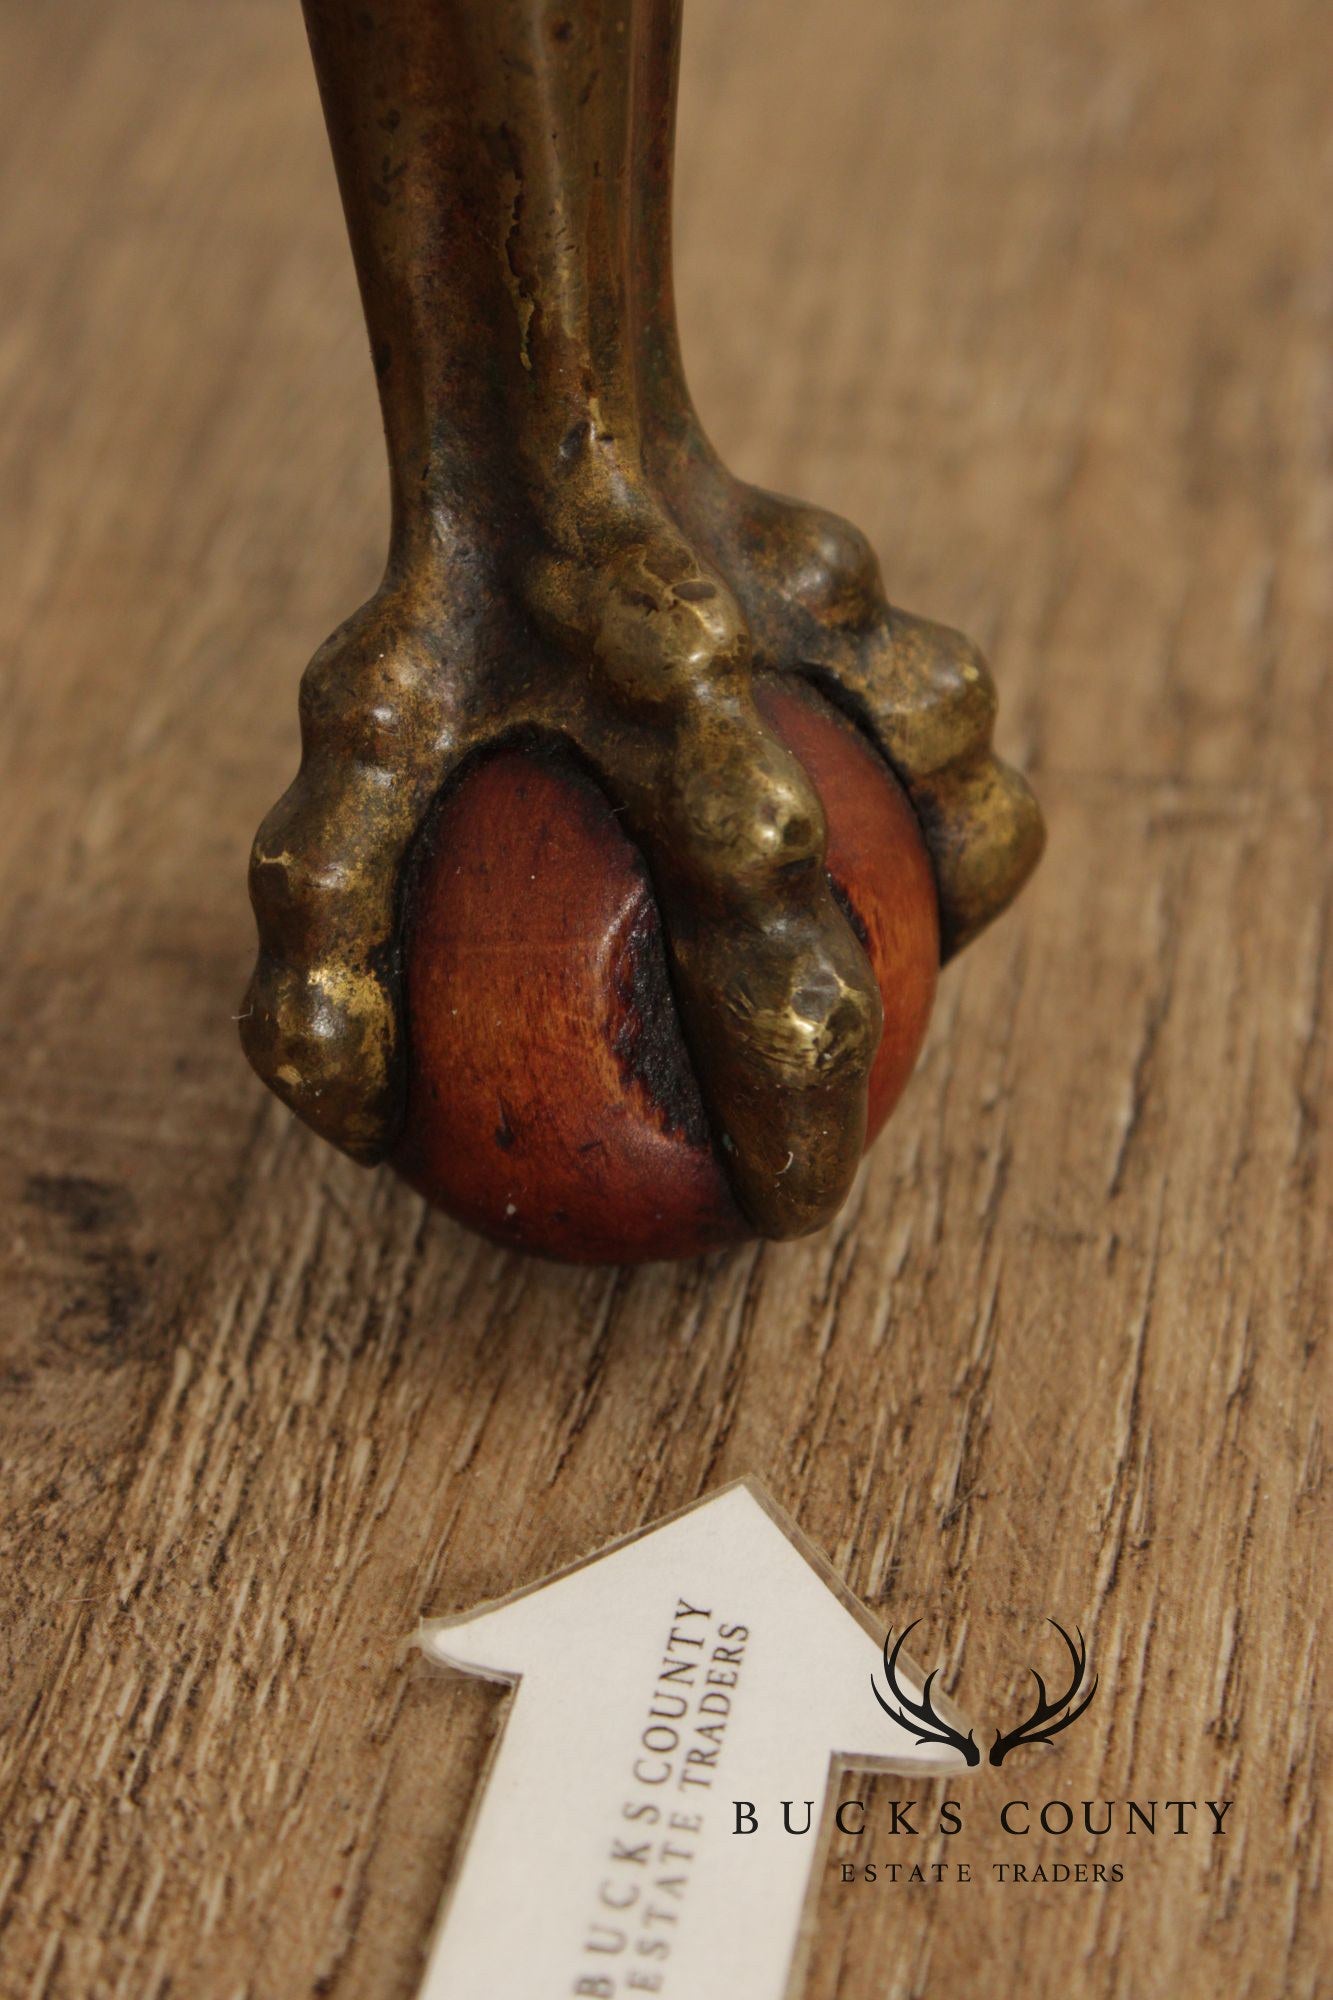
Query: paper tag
point(709, 1663)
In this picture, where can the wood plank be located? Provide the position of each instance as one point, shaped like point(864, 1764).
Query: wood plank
point(1038, 295)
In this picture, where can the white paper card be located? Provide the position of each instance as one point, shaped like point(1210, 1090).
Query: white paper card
point(712, 1658)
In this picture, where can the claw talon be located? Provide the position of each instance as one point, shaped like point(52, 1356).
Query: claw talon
point(810, 588)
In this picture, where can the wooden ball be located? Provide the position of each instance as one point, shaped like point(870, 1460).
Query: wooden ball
point(550, 1099)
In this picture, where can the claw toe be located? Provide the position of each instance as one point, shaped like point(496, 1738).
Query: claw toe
point(323, 1040)
point(986, 835)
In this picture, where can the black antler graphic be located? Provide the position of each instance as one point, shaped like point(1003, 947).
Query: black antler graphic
point(1047, 1719)
point(920, 1720)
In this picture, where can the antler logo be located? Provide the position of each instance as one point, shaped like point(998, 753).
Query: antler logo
point(1046, 1721)
point(1048, 1718)
point(920, 1717)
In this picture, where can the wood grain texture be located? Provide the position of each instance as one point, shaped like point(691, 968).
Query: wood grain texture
point(1038, 294)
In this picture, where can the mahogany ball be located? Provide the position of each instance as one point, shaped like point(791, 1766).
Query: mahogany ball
point(550, 1099)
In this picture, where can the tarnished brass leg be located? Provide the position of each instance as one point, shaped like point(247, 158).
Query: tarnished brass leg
point(569, 557)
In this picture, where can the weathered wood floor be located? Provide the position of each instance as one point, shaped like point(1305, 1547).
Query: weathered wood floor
point(1038, 293)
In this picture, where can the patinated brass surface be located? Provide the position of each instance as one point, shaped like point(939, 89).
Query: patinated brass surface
point(569, 555)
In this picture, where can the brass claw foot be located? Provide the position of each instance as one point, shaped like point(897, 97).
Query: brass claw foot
point(571, 563)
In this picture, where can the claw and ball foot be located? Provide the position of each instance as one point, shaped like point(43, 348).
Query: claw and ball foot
point(591, 663)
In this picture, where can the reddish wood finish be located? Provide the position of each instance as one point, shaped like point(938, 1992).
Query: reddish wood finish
point(551, 1102)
